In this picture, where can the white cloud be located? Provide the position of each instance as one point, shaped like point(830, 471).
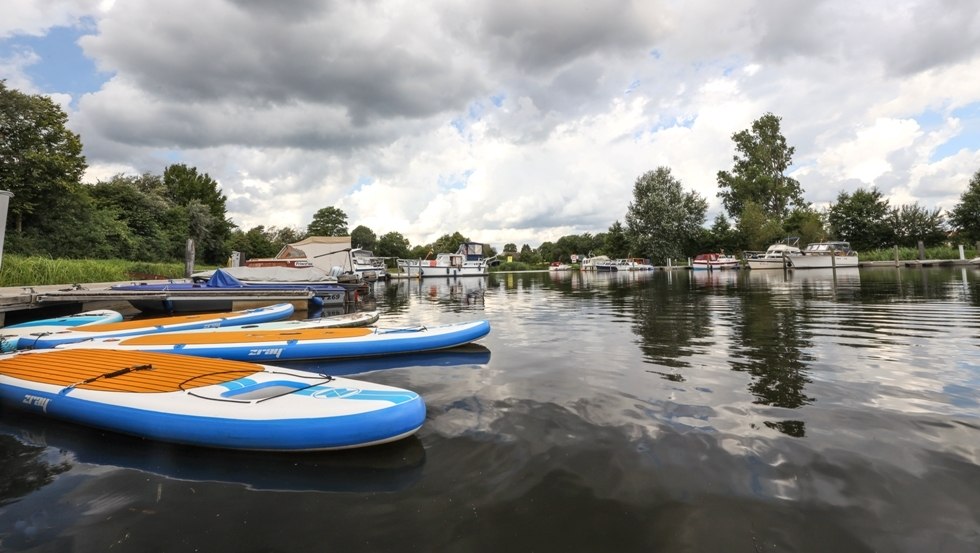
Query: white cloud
point(517, 122)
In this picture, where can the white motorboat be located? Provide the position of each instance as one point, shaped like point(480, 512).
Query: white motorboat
point(714, 262)
point(469, 260)
point(367, 265)
point(773, 258)
point(824, 255)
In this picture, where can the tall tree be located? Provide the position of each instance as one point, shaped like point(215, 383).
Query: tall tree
point(328, 221)
point(40, 158)
point(965, 216)
point(617, 244)
point(663, 222)
point(761, 160)
point(912, 223)
point(392, 244)
point(201, 207)
point(861, 218)
point(363, 237)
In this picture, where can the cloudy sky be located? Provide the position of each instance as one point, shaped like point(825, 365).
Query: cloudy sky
point(507, 121)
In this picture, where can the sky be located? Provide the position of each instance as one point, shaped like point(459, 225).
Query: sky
point(509, 122)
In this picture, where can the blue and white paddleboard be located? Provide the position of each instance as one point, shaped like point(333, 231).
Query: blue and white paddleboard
point(207, 402)
point(137, 327)
point(10, 334)
point(314, 343)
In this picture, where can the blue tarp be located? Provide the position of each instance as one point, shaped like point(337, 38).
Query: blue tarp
point(221, 279)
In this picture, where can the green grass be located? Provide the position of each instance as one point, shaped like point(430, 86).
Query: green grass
point(907, 254)
point(20, 270)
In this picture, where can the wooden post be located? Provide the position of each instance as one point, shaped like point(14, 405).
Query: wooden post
point(896, 255)
point(922, 250)
point(189, 258)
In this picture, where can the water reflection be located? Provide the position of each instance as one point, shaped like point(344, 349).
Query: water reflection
point(44, 448)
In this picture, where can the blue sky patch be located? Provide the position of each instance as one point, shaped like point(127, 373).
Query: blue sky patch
point(62, 67)
point(968, 137)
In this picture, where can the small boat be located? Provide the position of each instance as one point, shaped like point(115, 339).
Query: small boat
point(136, 327)
point(558, 266)
point(469, 260)
point(10, 334)
point(773, 258)
point(714, 262)
point(592, 262)
point(207, 402)
point(287, 345)
point(367, 265)
point(221, 292)
point(637, 264)
point(825, 255)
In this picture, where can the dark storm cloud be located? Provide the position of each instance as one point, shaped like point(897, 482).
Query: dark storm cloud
point(903, 39)
point(545, 35)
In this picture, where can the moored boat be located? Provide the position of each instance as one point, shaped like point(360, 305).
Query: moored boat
point(825, 255)
point(207, 402)
point(221, 291)
point(773, 258)
point(469, 260)
point(714, 261)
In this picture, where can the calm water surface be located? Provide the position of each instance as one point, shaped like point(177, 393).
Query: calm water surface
point(634, 412)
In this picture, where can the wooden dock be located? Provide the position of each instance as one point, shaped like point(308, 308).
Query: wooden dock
point(24, 303)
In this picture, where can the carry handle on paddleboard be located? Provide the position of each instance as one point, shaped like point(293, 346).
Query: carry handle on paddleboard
point(112, 374)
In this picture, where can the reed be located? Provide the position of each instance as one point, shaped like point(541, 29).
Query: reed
point(908, 254)
point(18, 270)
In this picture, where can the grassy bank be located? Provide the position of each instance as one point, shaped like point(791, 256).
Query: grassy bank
point(20, 270)
point(909, 254)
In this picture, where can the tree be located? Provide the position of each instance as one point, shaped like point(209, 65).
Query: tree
point(912, 223)
point(448, 243)
point(617, 244)
point(510, 247)
point(756, 231)
point(965, 216)
point(138, 202)
point(40, 159)
point(392, 244)
point(663, 221)
point(806, 224)
point(201, 210)
point(328, 221)
point(861, 218)
point(528, 255)
point(363, 237)
point(761, 160)
point(721, 237)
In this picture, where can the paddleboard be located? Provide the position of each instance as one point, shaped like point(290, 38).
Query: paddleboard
point(347, 320)
point(151, 325)
point(311, 343)
point(10, 334)
point(207, 402)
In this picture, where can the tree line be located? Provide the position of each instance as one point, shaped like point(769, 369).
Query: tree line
point(762, 205)
point(149, 217)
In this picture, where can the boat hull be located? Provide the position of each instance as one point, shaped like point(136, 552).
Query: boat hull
point(822, 261)
point(285, 345)
point(206, 402)
point(424, 269)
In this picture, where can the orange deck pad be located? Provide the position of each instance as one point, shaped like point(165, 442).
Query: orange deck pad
point(169, 371)
point(243, 336)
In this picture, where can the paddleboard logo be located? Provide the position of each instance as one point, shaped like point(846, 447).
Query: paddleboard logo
point(265, 352)
point(37, 401)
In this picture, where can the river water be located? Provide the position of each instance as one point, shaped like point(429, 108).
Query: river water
point(664, 411)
